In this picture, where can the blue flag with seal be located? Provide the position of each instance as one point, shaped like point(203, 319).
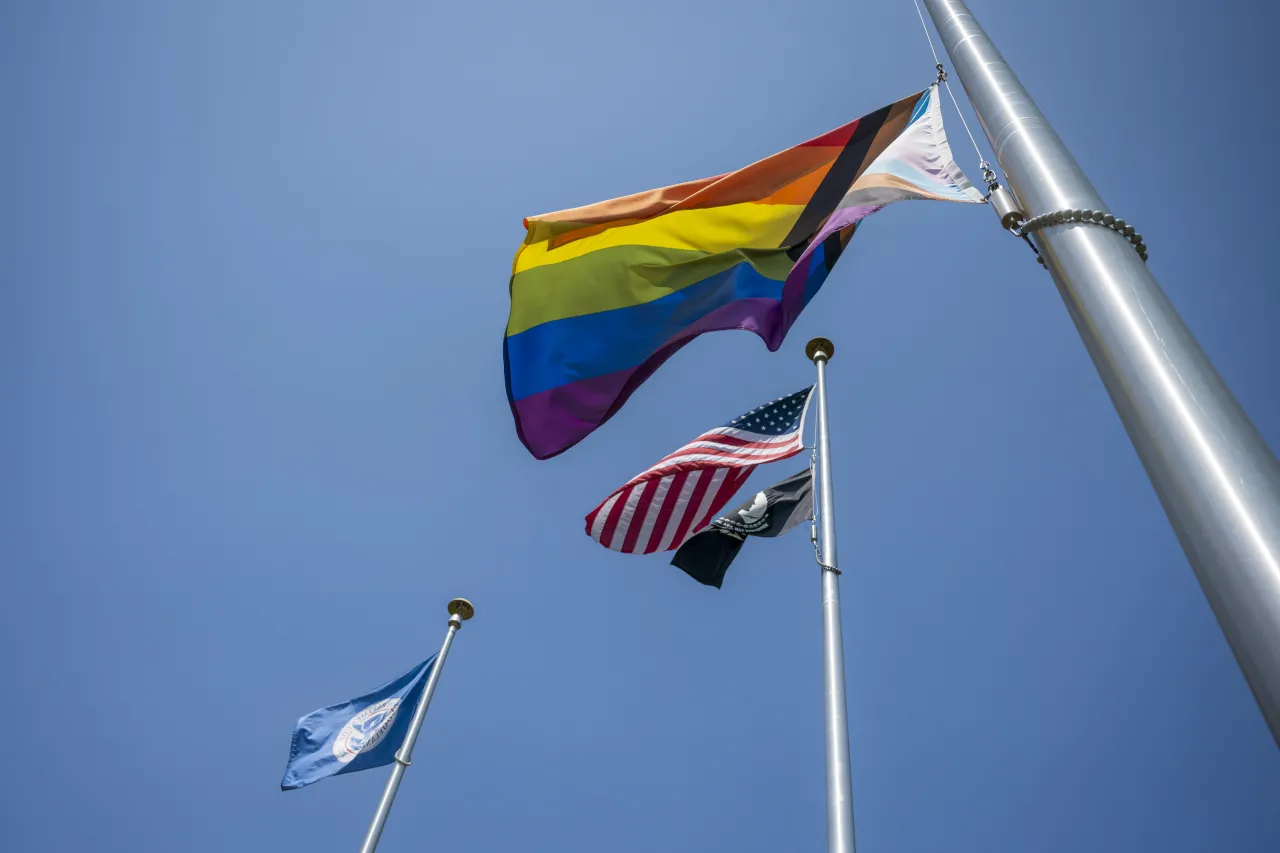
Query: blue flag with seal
point(355, 735)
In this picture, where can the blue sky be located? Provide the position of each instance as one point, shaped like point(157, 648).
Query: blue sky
point(253, 271)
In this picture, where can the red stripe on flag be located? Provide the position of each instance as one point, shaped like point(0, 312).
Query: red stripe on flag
point(594, 518)
point(664, 514)
point(722, 461)
point(745, 438)
point(702, 519)
point(637, 518)
point(695, 501)
point(838, 137)
point(611, 523)
point(780, 451)
point(728, 487)
point(729, 442)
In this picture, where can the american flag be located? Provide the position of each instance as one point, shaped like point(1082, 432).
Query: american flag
point(662, 507)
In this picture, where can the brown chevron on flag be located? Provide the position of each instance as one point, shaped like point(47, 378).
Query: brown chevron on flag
point(660, 508)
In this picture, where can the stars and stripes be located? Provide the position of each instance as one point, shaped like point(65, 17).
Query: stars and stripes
point(663, 506)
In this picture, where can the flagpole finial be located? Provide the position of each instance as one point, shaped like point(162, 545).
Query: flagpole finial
point(820, 346)
point(461, 608)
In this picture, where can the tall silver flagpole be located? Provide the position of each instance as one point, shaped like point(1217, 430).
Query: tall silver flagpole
point(1216, 477)
point(835, 712)
point(460, 610)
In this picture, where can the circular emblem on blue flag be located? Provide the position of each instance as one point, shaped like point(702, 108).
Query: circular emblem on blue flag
point(365, 730)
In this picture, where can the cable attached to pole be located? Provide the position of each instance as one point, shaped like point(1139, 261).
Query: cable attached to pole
point(813, 510)
point(928, 38)
point(942, 78)
point(1011, 217)
point(813, 514)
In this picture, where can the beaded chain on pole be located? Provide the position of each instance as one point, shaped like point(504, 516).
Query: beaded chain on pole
point(1024, 228)
point(1087, 217)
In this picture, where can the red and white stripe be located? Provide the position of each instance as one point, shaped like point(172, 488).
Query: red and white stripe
point(662, 507)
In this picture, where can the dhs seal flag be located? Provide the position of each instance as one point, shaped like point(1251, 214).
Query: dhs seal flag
point(355, 735)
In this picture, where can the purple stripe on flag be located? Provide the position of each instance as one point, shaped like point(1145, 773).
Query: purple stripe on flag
point(552, 421)
point(793, 292)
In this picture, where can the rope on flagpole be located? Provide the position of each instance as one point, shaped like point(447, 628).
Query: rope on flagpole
point(928, 37)
point(813, 513)
point(942, 78)
point(813, 509)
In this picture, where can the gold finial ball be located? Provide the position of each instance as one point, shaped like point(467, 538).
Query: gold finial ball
point(461, 608)
point(820, 345)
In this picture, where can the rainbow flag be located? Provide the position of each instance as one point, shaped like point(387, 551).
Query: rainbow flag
point(602, 295)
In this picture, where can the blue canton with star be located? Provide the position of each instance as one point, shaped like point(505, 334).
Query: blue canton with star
point(777, 418)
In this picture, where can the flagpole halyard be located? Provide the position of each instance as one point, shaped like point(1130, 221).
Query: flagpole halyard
point(840, 834)
point(460, 610)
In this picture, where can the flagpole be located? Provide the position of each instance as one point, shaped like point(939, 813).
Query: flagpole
point(840, 837)
point(460, 610)
point(1214, 474)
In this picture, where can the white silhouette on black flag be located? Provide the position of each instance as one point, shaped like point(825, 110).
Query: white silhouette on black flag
point(772, 512)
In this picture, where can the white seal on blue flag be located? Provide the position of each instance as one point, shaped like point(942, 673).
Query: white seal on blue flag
point(365, 730)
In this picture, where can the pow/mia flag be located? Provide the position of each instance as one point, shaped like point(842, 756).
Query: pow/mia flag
point(779, 508)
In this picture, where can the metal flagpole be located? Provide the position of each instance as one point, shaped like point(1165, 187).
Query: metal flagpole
point(839, 779)
point(1216, 477)
point(460, 610)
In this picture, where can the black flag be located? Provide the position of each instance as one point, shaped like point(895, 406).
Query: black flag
point(779, 508)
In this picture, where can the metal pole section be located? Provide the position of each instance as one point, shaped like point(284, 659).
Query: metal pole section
point(1218, 481)
point(459, 610)
point(840, 838)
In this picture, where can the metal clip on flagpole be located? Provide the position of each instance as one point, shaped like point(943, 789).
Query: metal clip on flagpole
point(839, 778)
point(460, 610)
